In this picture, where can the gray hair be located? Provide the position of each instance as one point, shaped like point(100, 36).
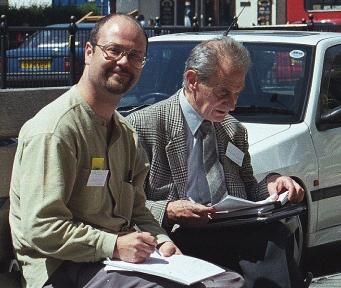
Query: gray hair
point(206, 57)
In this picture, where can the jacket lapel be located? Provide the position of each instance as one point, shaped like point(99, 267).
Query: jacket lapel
point(224, 136)
point(176, 148)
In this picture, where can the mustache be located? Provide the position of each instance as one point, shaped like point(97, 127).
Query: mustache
point(121, 70)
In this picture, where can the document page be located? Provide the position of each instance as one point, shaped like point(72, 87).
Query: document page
point(231, 203)
point(235, 206)
point(179, 268)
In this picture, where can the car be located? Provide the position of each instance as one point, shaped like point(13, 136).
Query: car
point(43, 59)
point(291, 107)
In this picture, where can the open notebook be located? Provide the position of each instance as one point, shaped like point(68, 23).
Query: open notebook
point(179, 268)
point(232, 206)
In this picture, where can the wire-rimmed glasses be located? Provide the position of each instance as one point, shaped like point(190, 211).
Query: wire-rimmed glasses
point(115, 52)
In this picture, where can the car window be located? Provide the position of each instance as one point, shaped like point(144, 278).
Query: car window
point(331, 87)
point(275, 89)
point(277, 80)
point(162, 75)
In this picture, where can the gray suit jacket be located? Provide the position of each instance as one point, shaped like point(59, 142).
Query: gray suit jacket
point(161, 132)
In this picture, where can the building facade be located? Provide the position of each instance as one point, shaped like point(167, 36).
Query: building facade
point(173, 12)
point(215, 12)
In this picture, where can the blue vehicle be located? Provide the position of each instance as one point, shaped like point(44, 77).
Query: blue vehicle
point(43, 58)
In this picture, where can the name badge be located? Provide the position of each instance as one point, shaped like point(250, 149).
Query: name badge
point(235, 154)
point(97, 178)
point(97, 163)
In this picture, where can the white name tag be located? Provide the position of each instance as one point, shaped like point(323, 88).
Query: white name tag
point(235, 154)
point(97, 178)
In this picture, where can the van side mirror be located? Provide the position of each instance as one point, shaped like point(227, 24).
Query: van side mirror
point(329, 120)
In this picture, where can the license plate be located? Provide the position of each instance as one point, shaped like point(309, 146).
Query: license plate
point(35, 64)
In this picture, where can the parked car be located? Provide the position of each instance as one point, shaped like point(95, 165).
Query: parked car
point(43, 59)
point(291, 106)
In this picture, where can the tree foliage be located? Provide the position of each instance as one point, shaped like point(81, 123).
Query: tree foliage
point(46, 15)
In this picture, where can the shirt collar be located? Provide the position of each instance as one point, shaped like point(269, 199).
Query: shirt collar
point(192, 117)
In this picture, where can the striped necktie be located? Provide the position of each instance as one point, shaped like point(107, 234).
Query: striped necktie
point(213, 168)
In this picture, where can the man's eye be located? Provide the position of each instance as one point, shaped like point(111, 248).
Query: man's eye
point(135, 56)
point(113, 51)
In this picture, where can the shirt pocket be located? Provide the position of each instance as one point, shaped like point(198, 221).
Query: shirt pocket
point(85, 199)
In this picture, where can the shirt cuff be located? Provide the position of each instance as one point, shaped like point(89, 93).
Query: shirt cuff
point(105, 245)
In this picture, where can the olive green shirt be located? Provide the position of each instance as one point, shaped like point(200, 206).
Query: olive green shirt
point(55, 215)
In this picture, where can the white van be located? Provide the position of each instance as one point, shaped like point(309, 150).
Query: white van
point(291, 106)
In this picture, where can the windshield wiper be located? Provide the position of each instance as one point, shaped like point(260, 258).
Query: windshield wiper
point(125, 110)
point(263, 109)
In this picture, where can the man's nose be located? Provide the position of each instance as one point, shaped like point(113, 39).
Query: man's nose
point(123, 59)
point(232, 102)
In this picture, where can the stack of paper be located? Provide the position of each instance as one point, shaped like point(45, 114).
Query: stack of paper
point(179, 268)
point(233, 206)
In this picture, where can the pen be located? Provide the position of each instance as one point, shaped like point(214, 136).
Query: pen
point(138, 230)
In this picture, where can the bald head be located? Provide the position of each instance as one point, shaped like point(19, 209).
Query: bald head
point(94, 35)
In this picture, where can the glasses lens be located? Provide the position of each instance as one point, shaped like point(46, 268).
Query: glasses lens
point(136, 60)
point(115, 53)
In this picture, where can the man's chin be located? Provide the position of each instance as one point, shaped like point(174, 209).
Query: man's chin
point(219, 116)
point(119, 87)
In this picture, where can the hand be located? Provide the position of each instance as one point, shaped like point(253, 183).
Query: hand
point(134, 247)
point(168, 249)
point(278, 184)
point(186, 213)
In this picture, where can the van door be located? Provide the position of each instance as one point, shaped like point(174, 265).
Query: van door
point(327, 140)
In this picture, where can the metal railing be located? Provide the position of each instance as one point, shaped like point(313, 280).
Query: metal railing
point(54, 56)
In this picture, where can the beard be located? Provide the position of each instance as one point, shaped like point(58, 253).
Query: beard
point(119, 84)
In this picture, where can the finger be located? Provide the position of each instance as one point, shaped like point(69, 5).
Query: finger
point(198, 208)
point(178, 251)
point(298, 194)
point(144, 250)
point(147, 238)
point(167, 249)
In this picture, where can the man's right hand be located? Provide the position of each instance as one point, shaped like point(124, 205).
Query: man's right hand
point(188, 214)
point(134, 247)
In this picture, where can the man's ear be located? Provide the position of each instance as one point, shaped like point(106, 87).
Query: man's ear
point(192, 79)
point(88, 52)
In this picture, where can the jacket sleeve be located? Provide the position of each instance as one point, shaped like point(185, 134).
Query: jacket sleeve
point(45, 168)
point(145, 134)
point(142, 216)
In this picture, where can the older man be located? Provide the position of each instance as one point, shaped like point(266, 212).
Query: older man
point(190, 140)
point(77, 186)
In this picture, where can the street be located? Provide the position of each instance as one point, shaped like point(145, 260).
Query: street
point(324, 262)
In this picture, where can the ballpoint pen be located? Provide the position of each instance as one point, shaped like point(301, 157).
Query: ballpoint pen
point(138, 230)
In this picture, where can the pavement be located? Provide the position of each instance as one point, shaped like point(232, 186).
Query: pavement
point(330, 281)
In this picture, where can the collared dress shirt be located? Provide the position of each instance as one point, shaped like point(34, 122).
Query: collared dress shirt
point(197, 186)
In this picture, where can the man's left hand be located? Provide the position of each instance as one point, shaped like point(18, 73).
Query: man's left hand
point(278, 184)
point(168, 249)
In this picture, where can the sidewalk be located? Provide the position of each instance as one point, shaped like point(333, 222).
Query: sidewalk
point(330, 281)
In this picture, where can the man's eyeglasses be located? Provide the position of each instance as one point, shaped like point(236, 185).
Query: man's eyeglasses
point(115, 52)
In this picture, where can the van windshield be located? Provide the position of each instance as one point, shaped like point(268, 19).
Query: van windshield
point(275, 89)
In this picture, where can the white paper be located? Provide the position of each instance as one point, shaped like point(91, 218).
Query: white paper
point(97, 178)
point(234, 206)
point(231, 203)
point(179, 268)
point(235, 154)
